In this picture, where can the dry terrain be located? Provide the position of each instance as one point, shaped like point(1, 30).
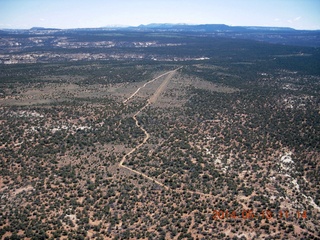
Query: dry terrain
point(165, 157)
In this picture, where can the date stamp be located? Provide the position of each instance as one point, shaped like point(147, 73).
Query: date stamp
point(250, 214)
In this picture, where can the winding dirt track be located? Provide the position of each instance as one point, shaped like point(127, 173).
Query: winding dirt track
point(151, 100)
point(147, 135)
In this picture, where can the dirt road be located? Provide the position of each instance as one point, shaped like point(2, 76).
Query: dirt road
point(152, 100)
point(152, 80)
point(162, 87)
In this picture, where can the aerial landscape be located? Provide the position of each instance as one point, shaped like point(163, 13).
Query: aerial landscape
point(159, 131)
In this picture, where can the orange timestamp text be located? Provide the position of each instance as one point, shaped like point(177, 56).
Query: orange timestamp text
point(250, 214)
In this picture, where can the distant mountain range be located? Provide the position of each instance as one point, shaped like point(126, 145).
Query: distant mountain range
point(205, 28)
point(43, 28)
point(277, 35)
point(186, 28)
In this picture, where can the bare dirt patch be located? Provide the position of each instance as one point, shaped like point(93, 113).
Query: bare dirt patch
point(177, 91)
point(26, 189)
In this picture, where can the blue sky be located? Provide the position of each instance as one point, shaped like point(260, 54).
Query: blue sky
point(299, 14)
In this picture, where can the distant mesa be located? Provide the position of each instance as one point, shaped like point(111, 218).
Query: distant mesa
point(271, 28)
point(177, 27)
point(43, 29)
point(207, 28)
point(180, 27)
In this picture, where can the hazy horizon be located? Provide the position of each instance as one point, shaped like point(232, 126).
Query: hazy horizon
point(25, 14)
point(154, 23)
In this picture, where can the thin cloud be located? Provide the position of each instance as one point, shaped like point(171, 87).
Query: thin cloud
point(297, 18)
point(294, 20)
point(5, 25)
